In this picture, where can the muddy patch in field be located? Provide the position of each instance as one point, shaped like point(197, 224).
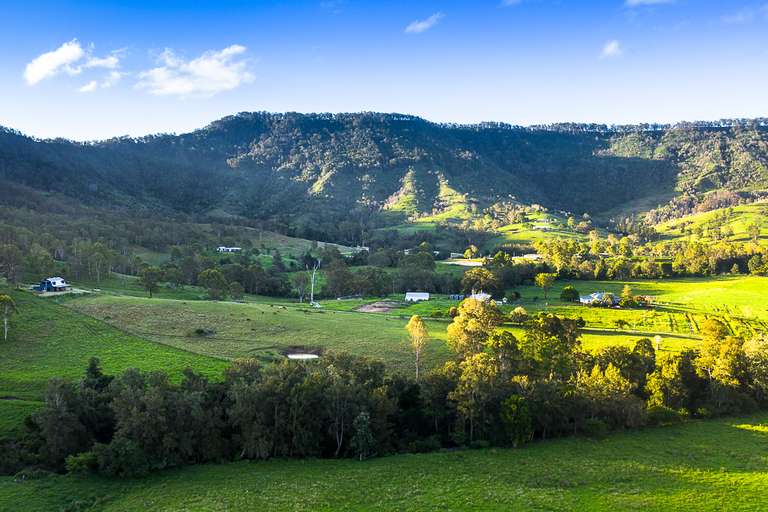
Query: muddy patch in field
point(377, 307)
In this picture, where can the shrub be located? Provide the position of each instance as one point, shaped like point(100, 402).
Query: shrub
point(122, 458)
point(82, 463)
point(569, 294)
point(202, 332)
point(659, 415)
point(518, 315)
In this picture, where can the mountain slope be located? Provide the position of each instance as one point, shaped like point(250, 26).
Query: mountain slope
point(307, 170)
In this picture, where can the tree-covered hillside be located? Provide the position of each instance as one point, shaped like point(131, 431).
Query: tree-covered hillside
point(311, 172)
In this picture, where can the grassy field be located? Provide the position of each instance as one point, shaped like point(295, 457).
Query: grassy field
point(49, 340)
point(124, 328)
point(716, 465)
point(260, 329)
point(738, 221)
point(679, 304)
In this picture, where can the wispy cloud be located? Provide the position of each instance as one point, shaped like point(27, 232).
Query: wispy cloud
point(90, 86)
point(69, 58)
point(419, 26)
point(111, 79)
point(746, 15)
point(611, 49)
point(640, 3)
point(211, 73)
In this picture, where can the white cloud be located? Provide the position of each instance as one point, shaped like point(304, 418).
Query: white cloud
point(111, 79)
point(90, 86)
point(54, 62)
point(208, 74)
point(110, 62)
point(611, 49)
point(639, 3)
point(69, 58)
point(419, 26)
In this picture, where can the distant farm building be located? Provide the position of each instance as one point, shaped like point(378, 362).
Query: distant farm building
point(599, 298)
point(480, 296)
point(416, 296)
point(456, 297)
point(53, 284)
point(532, 256)
point(457, 255)
point(228, 249)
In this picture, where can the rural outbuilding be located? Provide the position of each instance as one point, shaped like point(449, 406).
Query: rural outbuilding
point(416, 296)
point(53, 284)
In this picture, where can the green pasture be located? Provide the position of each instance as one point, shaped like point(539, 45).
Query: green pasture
point(48, 340)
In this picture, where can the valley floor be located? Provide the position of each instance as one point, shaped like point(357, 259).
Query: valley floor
point(715, 465)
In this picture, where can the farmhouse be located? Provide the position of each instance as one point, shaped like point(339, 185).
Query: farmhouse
point(53, 284)
point(416, 296)
point(598, 298)
point(228, 249)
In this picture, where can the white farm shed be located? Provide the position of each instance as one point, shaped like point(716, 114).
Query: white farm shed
point(416, 296)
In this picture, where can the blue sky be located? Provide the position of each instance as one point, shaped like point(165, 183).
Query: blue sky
point(92, 70)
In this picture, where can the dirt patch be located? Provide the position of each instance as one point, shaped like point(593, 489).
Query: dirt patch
point(377, 307)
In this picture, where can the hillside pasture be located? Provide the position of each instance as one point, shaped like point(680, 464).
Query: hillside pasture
point(232, 330)
point(737, 219)
point(48, 340)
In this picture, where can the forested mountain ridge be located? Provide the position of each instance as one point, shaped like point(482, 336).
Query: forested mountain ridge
point(282, 166)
